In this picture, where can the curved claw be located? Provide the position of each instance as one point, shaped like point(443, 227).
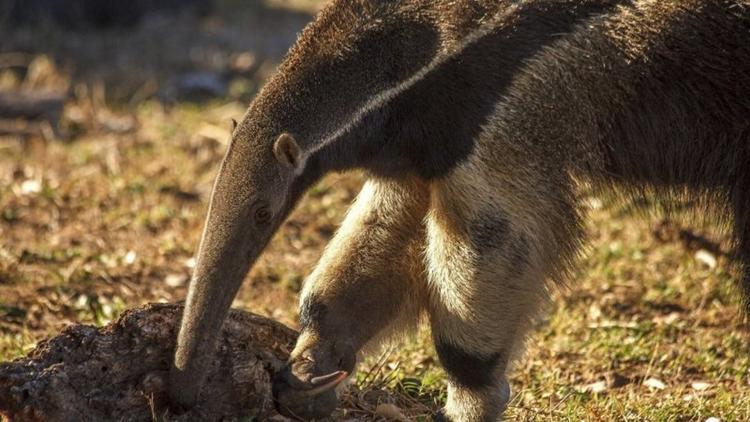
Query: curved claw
point(325, 383)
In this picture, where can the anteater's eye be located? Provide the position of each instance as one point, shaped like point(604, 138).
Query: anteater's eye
point(262, 215)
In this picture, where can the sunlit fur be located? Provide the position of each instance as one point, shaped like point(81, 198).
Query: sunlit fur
point(477, 122)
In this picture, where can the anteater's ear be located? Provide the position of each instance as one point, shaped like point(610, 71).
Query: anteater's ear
point(288, 152)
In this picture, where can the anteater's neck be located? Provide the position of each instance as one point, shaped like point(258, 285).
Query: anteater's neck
point(429, 123)
point(642, 92)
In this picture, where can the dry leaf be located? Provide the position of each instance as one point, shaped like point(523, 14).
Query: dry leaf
point(594, 388)
point(391, 412)
point(700, 386)
point(31, 186)
point(595, 312)
point(669, 319)
point(655, 384)
point(129, 258)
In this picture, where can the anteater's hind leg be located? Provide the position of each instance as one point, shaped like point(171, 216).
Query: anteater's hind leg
point(483, 297)
point(489, 253)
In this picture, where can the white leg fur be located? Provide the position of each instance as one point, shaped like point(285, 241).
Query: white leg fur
point(486, 272)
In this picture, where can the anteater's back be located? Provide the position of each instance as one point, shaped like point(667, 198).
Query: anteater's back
point(653, 96)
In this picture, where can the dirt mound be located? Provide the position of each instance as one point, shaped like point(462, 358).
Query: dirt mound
point(118, 372)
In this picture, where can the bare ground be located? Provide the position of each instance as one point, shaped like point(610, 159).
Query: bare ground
point(120, 372)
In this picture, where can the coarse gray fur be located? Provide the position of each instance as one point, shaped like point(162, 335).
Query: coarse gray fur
point(476, 121)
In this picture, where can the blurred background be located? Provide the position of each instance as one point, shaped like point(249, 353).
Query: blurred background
point(114, 116)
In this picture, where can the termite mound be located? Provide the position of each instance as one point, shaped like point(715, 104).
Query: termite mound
point(119, 372)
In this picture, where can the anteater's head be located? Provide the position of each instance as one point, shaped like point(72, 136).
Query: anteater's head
point(324, 99)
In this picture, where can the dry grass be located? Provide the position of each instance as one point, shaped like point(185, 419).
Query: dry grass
point(110, 218)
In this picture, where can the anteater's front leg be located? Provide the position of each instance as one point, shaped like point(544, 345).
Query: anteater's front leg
point(368, 285)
